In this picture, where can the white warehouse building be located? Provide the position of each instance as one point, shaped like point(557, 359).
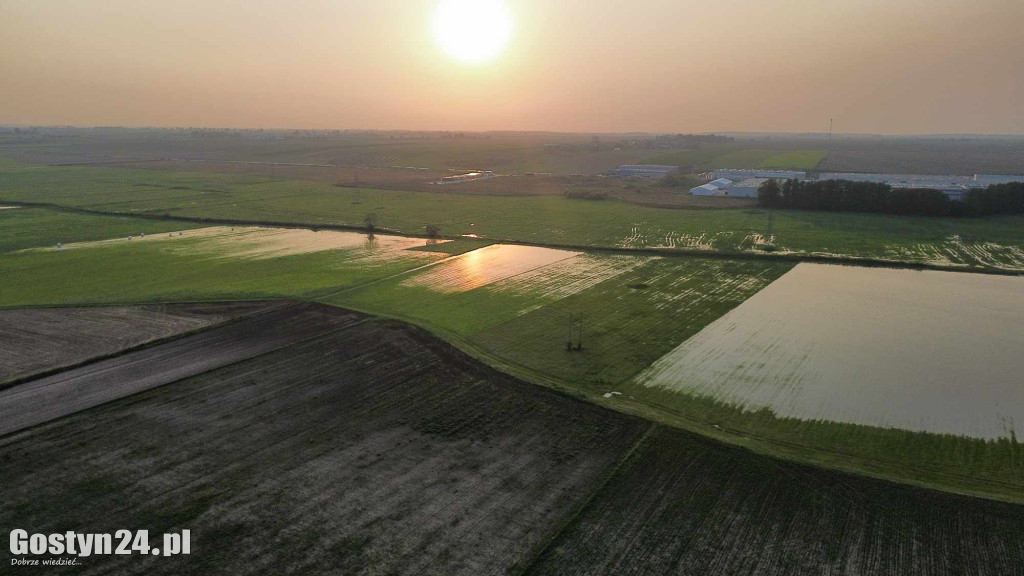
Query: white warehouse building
point(738, 175)
point(716, 187)
point(746, 188)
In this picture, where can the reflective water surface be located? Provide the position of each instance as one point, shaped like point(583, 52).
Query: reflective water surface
point(930, 351)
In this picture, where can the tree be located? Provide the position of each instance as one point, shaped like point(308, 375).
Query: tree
point(433, 231)
point(370, 220)
point(769, 194)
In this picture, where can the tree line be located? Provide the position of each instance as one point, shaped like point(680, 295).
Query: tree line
point(880, 198)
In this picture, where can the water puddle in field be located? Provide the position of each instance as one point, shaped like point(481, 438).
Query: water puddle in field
point(955, 251)
point(486, 266)
point(251, 242)
point(926, 351)
point(569, 276)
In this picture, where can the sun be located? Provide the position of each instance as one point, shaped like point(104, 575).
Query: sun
point(472, 31)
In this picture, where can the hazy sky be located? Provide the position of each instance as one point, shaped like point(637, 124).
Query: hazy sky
point(883, 66)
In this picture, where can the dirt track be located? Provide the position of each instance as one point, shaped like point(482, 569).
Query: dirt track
point(33, 340)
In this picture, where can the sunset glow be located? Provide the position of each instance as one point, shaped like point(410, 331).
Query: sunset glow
point(472, 31)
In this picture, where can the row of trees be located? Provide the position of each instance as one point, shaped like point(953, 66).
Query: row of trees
point(996, 199)
point(848, 196)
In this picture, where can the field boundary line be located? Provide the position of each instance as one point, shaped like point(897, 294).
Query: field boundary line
point(367, 318)
point(63, 368)
point(674, 252)
point(623, 465)
point(836, 461)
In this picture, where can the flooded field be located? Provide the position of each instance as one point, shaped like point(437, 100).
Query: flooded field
point(954, 251)
point(924, 351)
point(569, 276)
point(486, 266)
point(259, 242)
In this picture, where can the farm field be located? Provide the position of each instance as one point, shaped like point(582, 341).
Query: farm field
point(961, 156)
point(636, 309)
point(686, 506)
point(740, 156)
point(642, 192)
point(502, 152)
point(865, 346)
point(796, 160)
point(517, 152)
point(994, 243)
point(39, 339)
point(49, 397)
point(373, 449)
point(376, 448)
point(206, 264)
point(26, 227)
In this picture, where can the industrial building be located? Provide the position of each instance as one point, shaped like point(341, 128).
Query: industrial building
point(746, 188)
point(956, 187)
point(738, 175)
point(738, 183)
point(645, 170)
point(717, 187)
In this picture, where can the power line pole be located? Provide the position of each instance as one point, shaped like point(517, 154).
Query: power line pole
point(568, 343)
point(575, 332)
point(579, 343)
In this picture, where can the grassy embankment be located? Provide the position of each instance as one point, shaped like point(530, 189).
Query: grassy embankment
point(985, 243)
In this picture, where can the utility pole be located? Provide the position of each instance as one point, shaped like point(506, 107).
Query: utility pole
point(579, 343)
point(568, 342)
point(575, 332)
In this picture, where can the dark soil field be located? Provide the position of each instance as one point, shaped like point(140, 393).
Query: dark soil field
point(375, 448)
point(41, 339)
point(94, 383)
point(684, 505)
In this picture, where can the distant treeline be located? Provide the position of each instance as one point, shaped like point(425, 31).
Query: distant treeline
point(686, 141)
point(585, 195)
point(849, 196)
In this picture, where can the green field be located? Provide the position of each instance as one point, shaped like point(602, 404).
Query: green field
point(26, 227)
point(636, 317)
point(183, 269)
point(651, 303)
point(635, 309)
point(985, 243)
point(796, 160)
point(737, 156)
